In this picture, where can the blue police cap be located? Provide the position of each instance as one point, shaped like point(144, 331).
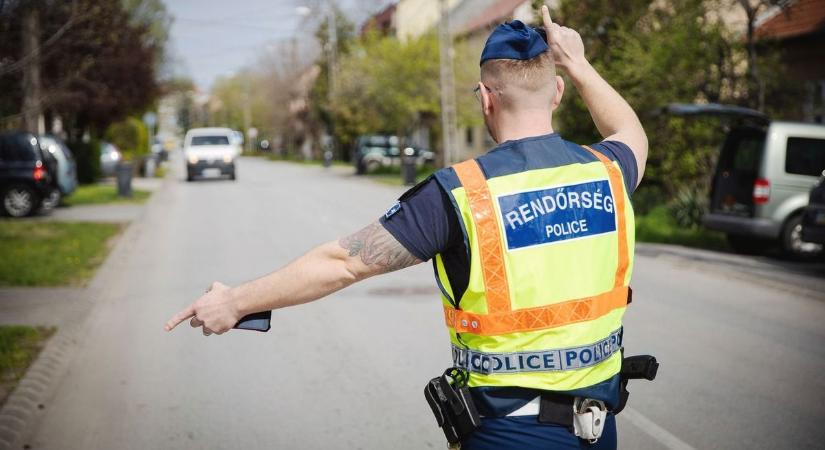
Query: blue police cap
point(513, 40)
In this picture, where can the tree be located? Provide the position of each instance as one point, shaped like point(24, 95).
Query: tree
point(92, 75)
point(656, 53)
point(386, 86)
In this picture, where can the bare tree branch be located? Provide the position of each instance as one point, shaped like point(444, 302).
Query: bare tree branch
point(74, 19)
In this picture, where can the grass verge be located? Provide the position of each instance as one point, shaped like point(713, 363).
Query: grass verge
point(306, 162)
point(659, 227)
point(19, 346)
point(52, 253)
point(392, 175)
point(96, 194)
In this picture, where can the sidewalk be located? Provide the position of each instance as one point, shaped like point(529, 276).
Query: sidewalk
point(111, 212)
point(42, 306)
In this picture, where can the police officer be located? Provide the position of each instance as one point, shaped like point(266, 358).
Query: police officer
point(532, 244)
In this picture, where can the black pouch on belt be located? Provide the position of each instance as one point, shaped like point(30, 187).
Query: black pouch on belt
point(449, 398)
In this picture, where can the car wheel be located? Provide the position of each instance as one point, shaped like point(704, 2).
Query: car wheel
point(232, 175)
point(189, 176)
point(373, 166)
point(792, 244)
point(19, 201)
point(51, 201)
point(748, 245)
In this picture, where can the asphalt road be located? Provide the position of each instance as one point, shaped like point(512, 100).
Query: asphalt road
point(743, 362)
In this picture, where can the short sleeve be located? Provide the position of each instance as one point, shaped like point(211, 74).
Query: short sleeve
point(620, 152)
point(423, 220)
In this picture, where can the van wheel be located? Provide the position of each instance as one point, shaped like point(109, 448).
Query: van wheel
point(792, 244)
point(748, 245)
point(19, 201)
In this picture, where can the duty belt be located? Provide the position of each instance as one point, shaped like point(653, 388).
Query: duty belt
point(538, 361)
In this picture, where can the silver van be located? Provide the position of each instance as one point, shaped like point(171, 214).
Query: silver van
point(763, 177)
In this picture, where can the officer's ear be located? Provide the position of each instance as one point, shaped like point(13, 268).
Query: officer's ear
point(486, 99)
point(559, 93)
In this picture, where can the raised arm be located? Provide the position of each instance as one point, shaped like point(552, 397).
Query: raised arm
point(614, 118)
point(323, 270)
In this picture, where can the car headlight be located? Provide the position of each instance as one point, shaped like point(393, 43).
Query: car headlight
point(193, 159)
point(115, 156)
point(227, 159)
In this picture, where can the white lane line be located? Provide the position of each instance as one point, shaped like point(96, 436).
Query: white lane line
point(655, 431)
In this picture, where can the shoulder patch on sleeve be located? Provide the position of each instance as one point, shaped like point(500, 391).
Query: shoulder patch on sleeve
point(393, 209)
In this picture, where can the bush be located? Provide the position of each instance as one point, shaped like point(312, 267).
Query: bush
point(131, 137)
point(688, 208)
point(87, 157)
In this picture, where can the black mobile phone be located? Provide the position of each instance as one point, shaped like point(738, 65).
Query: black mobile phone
point(258, 321)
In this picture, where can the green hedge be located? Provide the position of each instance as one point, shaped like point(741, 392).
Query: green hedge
point(87, 157)
point(131, 137)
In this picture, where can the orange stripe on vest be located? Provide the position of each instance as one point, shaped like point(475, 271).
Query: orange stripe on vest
point(489, 235)
point(538, 318)
point(501, 319)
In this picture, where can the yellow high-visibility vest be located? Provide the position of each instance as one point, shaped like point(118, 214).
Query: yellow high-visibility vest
point(551, 254)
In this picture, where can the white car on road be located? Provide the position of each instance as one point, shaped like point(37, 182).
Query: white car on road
point(210, 152)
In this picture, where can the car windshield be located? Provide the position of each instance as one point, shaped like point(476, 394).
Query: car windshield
point(210, 140)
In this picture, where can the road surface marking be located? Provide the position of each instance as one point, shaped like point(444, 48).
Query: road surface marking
point(655, 431)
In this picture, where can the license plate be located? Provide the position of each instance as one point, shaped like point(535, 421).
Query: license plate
point(211, 172)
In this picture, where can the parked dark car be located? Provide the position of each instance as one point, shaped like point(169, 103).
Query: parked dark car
point(813, 219)
point(25, 179)
point(372, 152)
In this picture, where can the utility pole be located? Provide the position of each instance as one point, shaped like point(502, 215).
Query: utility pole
point(333, 51)
point(332, 62)
point(32, 95)
point(448, 108)
point(247, 110)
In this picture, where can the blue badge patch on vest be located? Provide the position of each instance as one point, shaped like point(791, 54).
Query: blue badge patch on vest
point(393, 209)
point(557, 214)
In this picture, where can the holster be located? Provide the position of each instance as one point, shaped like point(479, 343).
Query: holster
point(449, 398)
point(635, 368)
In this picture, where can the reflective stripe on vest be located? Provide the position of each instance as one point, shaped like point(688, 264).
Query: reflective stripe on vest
point(538, 361)
point(501, 319)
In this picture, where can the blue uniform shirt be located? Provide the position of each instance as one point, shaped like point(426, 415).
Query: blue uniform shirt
point(425, 223)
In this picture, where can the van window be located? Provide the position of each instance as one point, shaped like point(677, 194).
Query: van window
point(805, 156)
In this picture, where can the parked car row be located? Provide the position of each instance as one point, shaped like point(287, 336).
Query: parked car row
point(374, 152)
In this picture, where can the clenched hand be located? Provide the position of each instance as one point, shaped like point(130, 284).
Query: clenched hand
point(215, 311)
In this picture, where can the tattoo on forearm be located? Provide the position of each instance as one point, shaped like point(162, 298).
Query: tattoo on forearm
point(376, 246)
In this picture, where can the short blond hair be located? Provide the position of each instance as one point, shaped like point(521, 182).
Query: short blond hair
point(520, 80)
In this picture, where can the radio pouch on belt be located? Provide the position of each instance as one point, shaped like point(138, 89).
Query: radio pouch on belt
point(449, 398)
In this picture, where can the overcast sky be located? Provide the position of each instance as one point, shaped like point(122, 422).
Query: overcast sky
point(212, 38)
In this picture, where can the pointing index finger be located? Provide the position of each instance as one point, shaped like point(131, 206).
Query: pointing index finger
point(545, 16)
point(180, 317)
